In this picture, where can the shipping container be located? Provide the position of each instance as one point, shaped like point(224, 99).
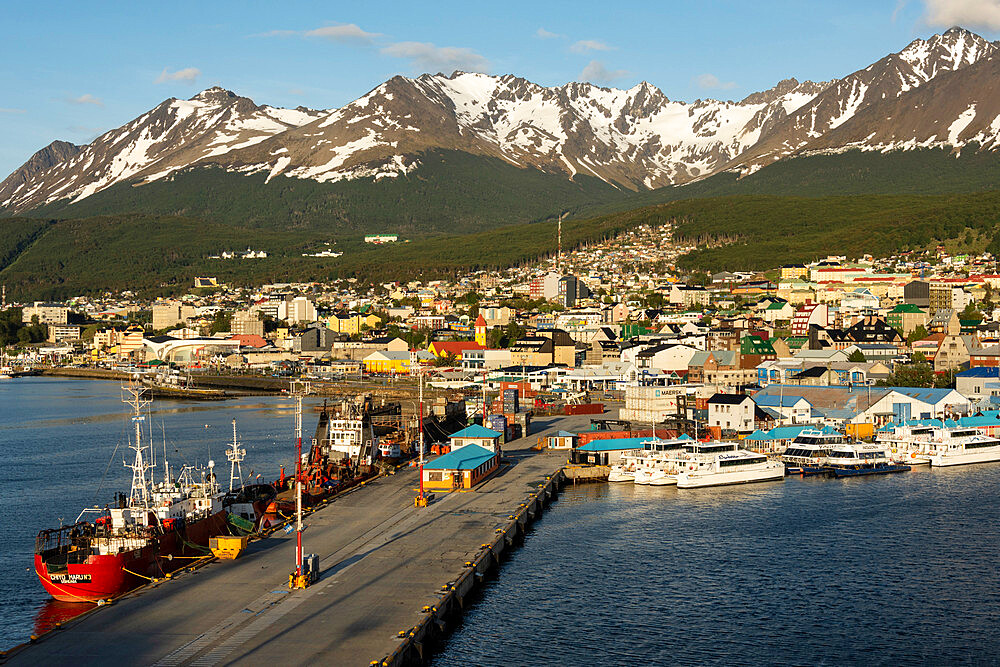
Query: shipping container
point(584, 409)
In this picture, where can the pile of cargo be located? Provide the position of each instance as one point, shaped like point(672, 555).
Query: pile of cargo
point(508, 417)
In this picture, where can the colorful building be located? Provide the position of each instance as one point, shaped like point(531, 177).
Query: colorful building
point(387, 362)
point(462, 468)
point(477, 435)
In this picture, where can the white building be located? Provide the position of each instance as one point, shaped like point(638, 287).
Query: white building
point(731, 412)
point(47, 313)
point(297, 311)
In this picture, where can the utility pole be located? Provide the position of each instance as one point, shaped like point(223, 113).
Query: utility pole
point(299, 579)
point(420, 500)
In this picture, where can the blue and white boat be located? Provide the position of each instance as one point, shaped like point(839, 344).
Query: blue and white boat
point(808, 452)
point(861, 458)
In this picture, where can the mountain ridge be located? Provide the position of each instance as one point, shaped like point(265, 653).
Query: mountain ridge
point(633, 139)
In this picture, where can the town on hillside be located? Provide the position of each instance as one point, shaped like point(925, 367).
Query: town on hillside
point(848, 344)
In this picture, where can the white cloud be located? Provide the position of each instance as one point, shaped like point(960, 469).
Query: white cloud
point(277, 33)
point(428, 57)
point(596, 72)
point(542, 33)
point(711, 82)
point(967, 13)
point(585, 45)
point(3, 110)
point(344, 33)
point(187, 74)
point(900, 4)
point(86, 99)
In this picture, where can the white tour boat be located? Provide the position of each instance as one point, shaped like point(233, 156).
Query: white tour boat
point(808, 452)
point(728, 466)
point(656, 464)
point(910, 444)
point(861, 458)
point(962, 446)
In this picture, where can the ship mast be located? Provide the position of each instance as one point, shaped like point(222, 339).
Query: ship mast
point(133, 395)
point(235, 454)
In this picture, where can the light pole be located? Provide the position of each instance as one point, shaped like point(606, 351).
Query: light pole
point(420, 500)
point(298, 579)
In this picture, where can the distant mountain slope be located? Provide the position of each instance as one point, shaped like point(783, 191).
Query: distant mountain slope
point(156, 254)
point(874, 88)
point(449, 192)
point(175, 134)
point(468, 151)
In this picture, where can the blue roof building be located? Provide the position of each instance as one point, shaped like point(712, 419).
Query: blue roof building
point(461, 468)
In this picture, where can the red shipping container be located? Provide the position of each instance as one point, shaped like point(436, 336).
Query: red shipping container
point(585, 409)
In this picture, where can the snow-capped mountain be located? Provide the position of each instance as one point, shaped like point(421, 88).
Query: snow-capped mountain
point(175, 134)
point(877, 85)
point(635, 138)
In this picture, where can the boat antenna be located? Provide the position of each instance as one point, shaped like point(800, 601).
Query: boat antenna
point(134, 395)
point(235, 454)
point(166, 464)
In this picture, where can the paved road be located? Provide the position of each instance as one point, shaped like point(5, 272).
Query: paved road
point(381, 558)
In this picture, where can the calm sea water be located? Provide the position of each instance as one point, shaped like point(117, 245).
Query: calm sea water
point(59, 438)
point(894, 570)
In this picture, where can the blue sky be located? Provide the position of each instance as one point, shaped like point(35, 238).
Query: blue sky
point(73, 70)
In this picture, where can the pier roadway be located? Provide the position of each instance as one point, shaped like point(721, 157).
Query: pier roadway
point(382, 560)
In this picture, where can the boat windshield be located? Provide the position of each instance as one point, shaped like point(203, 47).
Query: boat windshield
point(742, 461)
point(808, 453)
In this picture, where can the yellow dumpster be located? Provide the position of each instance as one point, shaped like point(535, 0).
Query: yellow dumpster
point(227, 547)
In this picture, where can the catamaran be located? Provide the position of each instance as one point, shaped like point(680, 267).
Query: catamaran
point(721, 464)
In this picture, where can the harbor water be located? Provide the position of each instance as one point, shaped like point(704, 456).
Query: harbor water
point(888, 570)
point(891, 570)
point(62, 446)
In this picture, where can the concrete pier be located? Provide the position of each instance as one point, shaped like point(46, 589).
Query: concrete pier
point(393, 578)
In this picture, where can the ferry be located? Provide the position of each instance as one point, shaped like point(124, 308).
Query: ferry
point(807, 453)
point(962, 446)
point(728, 466)
point(860, 458)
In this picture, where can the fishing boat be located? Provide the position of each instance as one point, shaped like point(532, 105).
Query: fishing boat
point(245, 504)
point(344, 448)
point(851, 459)
point(714, 465)
point(807, 453)
point(154, 529)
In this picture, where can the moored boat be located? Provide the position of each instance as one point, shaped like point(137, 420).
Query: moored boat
point(851, 459)
point(964, 446)
point(153, 530)
point(807, 453)
point(727, 467)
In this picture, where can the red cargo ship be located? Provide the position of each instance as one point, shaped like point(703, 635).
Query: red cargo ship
point(156, 528)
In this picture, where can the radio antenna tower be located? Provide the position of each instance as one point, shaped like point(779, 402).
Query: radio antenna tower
point(559, 244)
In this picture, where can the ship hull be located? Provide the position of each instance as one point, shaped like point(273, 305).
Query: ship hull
point(100, 577)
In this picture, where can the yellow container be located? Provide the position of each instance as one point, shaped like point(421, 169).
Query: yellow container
point(227, 547)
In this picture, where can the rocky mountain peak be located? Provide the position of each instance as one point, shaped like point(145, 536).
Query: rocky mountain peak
point(215, 95)
point(635, 137)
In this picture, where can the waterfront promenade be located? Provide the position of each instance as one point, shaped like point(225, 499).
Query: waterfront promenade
point(381, 558)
